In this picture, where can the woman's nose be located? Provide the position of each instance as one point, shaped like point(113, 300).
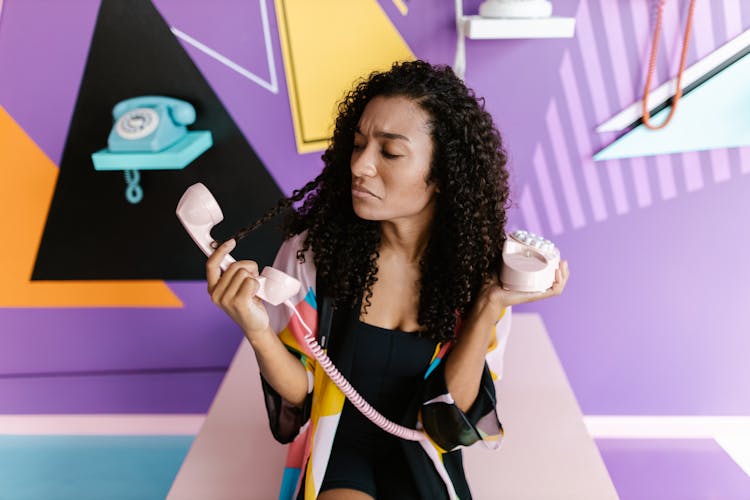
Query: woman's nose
point(363, 163)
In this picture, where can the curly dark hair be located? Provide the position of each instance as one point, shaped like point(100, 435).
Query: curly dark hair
point(467, 233)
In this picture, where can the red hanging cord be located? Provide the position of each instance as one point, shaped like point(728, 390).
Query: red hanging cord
point(652, 66)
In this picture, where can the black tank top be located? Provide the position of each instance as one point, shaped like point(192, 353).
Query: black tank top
point(387, 370)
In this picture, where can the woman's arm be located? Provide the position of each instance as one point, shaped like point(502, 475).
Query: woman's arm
point(459, 402)
point(465, 365)
point(279, 367)
point(234, 291)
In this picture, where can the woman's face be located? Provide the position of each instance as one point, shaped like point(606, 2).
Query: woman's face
point(391, 161)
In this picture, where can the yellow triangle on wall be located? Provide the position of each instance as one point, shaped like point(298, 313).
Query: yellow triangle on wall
point(28, 183)
point(328, 45)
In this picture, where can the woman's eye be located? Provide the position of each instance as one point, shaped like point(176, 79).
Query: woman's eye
point(358, 147)
point(389, 155)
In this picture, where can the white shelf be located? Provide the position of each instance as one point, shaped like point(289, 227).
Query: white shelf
point(483, 28)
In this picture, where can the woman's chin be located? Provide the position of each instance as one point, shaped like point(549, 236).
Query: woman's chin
point(365, 214)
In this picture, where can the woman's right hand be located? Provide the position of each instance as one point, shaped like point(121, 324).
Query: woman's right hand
point(234, 290)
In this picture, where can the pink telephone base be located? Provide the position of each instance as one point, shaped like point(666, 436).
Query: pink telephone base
point(529, 262)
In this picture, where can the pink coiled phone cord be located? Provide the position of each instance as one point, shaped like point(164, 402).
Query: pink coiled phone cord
point(351, 394)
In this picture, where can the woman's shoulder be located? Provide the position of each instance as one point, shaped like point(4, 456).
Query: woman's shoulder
point(288, 261)
point(294, 243)
point(297, 239)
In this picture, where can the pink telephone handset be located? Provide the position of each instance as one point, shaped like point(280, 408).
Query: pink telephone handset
point(198, 211)
point(529, 262)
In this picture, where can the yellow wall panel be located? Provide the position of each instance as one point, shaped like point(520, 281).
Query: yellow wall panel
point(327, 46)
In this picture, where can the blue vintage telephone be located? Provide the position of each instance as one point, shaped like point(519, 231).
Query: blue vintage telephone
point(150, 133)
point(149, 123)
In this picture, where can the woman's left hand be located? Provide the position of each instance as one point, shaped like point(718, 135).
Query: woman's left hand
point(494, 298)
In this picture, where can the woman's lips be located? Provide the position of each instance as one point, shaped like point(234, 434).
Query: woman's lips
point(361, 192)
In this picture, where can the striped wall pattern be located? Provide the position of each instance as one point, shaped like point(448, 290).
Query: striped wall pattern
point(603, 72)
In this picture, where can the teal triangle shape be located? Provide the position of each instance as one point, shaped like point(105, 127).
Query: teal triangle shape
point(714, 115)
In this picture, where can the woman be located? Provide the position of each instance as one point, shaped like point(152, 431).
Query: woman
point(398, 245)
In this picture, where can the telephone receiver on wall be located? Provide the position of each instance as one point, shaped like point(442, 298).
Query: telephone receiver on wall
point(150, 133)
point(199, 212)
point(149, 123)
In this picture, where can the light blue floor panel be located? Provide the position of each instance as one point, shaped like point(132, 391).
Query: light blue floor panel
point(89, 467)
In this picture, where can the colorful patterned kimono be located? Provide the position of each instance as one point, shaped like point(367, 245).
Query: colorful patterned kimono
point(436, 463)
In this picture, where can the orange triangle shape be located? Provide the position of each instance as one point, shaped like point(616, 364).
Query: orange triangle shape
point(28, 183)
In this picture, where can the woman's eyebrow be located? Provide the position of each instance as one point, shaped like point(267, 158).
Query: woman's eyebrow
point(387, 135)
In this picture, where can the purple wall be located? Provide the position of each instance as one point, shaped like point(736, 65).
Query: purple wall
point(654, 320)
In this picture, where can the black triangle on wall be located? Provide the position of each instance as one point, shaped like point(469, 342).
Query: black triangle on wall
point(92, 231)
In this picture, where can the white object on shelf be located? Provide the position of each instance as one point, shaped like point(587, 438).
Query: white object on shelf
point(486, 28)
point(515, 8)
point(483, 28)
